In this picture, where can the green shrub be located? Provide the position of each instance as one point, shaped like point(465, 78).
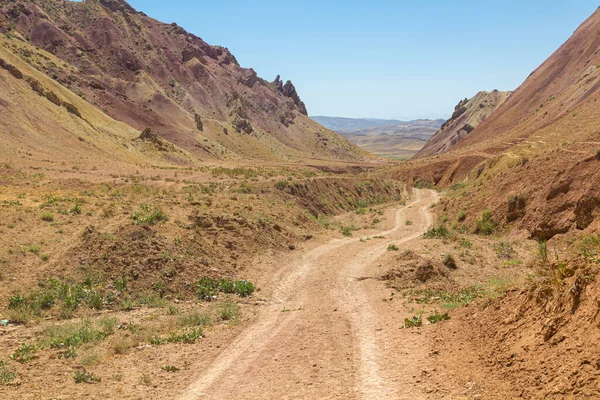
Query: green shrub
point(170, 368)
point(437, 317)
point(83, 376)
point(149, 216)
point(413, 322)
point(485, 225)
point(24, 354)
point(440, 232)
point(465, 243)
point(392, 247)
point(281, 185)
point(461, 215)
point(347, 230)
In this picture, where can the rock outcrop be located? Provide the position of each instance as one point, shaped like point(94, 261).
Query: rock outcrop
point(468, 115)
point(289, 90)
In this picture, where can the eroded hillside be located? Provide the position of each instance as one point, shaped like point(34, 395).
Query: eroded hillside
point(148, 74)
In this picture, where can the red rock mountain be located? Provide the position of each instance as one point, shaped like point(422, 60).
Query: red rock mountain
point(468, 115)
point(535, 161)
point(148, 74)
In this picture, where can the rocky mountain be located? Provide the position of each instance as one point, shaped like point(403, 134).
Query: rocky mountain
point(468, 115)
point(386, 138)
point(148, 74)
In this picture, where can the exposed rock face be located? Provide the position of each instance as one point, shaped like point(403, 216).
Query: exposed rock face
point(289, 90)
point(148, 74)
point(468, 115)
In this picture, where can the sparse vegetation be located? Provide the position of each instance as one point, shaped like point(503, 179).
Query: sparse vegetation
point(413, 322)
point(6, 375)
point(392, 247)
point(83, 376)
point(485, 225)
point(440, 232)
point(149, 215)
point(347, 230)
point(437, 317)
point(208, 288)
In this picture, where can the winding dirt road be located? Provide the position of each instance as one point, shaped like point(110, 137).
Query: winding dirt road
point(326, 333)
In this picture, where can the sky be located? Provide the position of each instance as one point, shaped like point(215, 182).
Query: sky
point(383, 59)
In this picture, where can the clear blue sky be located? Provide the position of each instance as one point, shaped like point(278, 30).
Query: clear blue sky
point(383, 59)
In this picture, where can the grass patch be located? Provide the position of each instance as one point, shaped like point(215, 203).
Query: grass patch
point(229, 311)
point(6, 375)
point(448, 299)
point(208, 288)
point(47, 216)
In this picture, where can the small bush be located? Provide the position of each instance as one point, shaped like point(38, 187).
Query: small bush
point(149, 216)
point(408, 223)
point(24, 354)
point(170, 368)
point(413, 322)
point(437, 317)
point(347, 230)
point(461, 215)
point(485, 225)
point(465, 243)
point(440, 232)
point(392, 247)
point(281, 185)
point(83, 376)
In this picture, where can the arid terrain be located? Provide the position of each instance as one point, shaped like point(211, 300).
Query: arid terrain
point(392, 139)
point(175, 227)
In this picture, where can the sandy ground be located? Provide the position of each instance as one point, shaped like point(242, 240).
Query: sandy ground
point(326, 332)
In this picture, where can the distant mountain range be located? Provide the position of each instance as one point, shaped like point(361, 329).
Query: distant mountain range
point(384, 137)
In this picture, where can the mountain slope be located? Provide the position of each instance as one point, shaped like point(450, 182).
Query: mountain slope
point(468, 115)
point(534, 162)
point(152, 75)
point(566, 80)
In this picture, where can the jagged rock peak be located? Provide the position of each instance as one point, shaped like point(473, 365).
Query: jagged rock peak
point(289, 90)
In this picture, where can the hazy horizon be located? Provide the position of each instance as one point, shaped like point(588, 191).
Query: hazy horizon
point(384, 59)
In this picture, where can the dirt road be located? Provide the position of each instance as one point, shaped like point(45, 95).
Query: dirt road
point(326, 333)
